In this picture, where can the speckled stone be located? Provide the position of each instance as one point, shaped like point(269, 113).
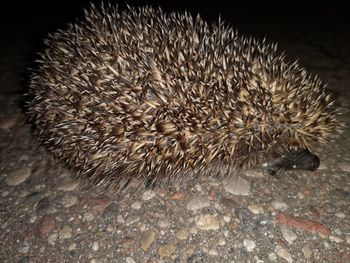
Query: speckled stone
point(18, 176)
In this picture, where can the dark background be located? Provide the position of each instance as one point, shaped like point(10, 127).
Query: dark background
point(24, 25)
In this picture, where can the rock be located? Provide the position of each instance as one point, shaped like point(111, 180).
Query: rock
point(288, 234)
point(284, 254)
point(198, 202)
point(131, 220)
point(148, 195)
point(166, 250)
point(177, 196)
point(18, 176)
point(237, 186)
point(147, 239)
point(69, 201)
point(45, 207)
point(255, 209)
point(208, 222)
point(110, 212)
point(182, 234)
point(66, 232)
point(68, 186)
point(345, 166)
point(32, 198)
point(307, 252)
point(249, 244)
point(95, 246)
point(279, 205)
point(46, 225)
point(136, 205)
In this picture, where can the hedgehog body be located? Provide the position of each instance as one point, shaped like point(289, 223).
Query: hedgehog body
point(140, 93)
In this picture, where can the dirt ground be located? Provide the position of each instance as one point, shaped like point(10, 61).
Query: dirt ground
point(45, 216)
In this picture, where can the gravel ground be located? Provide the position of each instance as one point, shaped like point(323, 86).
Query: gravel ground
point(45, 216)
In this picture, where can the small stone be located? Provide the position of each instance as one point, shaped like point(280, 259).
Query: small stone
point(46, 225)
point(9, 122)
point(347, 238)
point(147, 239)
point(208, 222)
point(52, 239)
point(284, 254)
point(136, 205)
point(237, 186)
point(345, 166)
point(148, 195)
point(131, 220)
point(45, 207)
point(69, 201)
point(95, 246)
point(72, 247)
point(249, 244)
point(272, 257)
point(340, 215)
point(255, 209)
point(213, 252)
point(279, 205)
point(66, 232)
point(24, 158)
point(198, 202)
point(222, 242)
point(110, 212)
point(300, 195)
point(32, 198)
point(130, 260)
point(68, 186)
point(98, 204)
point(254, 173)
point(18, 176)
point(288, 234)
point(163, 223)
point(23, 248)
point(307, 252)
point(182, 234)
point(166, 250)
point(177, 196)
point(88, 217)
point(227, 218)
point(335, 239)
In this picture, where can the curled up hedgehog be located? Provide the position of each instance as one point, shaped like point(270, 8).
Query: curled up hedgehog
point(142, 94)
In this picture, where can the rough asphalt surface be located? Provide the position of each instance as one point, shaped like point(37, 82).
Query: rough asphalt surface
point(45, 216)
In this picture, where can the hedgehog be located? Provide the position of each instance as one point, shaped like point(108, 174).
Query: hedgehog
point(142, 94)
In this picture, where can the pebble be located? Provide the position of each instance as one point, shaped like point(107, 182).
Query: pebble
point(166, 250)
point(307, 252)
point(23, 247)
point(110, 212)
point(66, 232)
point(163, 223)
point(208, 222)
point(335, 239)
point(284, 254)
point(272, 257)
point(9, 122)
point(88, 217)
point(45, 207)
point(52, 239)
point(347, 238)
point(32, 198)
point(249, 244)
point(177, 196)
point(72, 247)
point(237, 186)
point(68, 186)
point(136, 205)
point(147, 239)
point(182, 234)
point(131, 220)
point(69, 201)
point(95, 246)
point(129, 260)
point(18, 176)
point(288, 234)
point(345, 166)
point(148, 195)
point(98, 204)
point(46, 225)
point(282, 206)
point(254, 173)
point(198, 202)
point(255, 209)
point(222, 242)
point(340, 215)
